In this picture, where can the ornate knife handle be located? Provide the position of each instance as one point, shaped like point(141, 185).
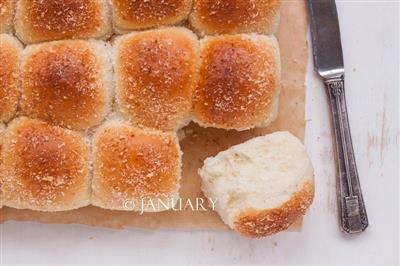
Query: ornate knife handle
point(352, 213)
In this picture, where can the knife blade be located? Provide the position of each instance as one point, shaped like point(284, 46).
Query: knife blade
point(326, 41)
point(328, 63)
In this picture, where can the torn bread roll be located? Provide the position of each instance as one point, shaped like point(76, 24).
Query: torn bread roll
point(49, 20)
point(7, 12)
point(135, 169)
point(156, 74)
point(131, 15)
point(235, 16)
point(44, 168)
point(10, 56)
point(67, 83)
point(261, 186)
point(239, 82)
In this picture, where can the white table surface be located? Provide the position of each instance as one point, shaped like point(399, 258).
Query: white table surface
point(370, 36)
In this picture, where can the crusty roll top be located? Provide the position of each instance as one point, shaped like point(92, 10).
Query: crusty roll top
point(235, 16)
point(142, 14)
point(43, 20)
point(7, 11)
point(239, 81)
point(156, 73)
point(46, 168)
point(10, 55)
point(66, 83)
point(134, 164)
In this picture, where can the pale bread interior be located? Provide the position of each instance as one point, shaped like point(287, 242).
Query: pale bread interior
point(260, 174)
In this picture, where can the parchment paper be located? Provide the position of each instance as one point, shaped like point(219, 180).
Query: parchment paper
point(200, 143)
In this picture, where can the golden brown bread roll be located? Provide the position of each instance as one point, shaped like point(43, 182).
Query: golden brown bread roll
point(239, 82)
point(46, 20)
point(132, 165)
point(143, 14)
point(10, 56)
point(235, 16)
point(45, 168)
point(67, 83)
point(7, 12)
point(156, 72)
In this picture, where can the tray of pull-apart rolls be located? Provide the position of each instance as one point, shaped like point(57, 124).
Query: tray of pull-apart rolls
point(154, 114)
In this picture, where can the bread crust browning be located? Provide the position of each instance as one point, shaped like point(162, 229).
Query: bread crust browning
point(131, 165)
point(7, 12)
point(46, 20)
point(156, 74)
point(66, 83)
point(10, 56)
point(45, 168)
point(256, 224)
point(141, 14)
point(2, 132)
point(239, 82)
point(235, 16)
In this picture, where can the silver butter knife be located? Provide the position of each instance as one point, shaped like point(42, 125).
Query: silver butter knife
point(328, 63)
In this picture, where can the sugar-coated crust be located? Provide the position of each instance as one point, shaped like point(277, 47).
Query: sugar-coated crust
point(67, 83)
point(261, 223)
point(145, 14)
point(239, 81)
point(46, 168)
point(7, 12)
point(10, 55)
point(131, 165)
point(235, 16)
point(45, 20)
point(156, 74)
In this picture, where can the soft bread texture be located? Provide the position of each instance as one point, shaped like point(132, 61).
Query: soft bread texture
point(7, 12)
point(235, 16)
point(67, 83)
point(10, 56)
point(134, 165)
point(47, 20)
point(45, 168)
point(156, 74)
point(239, 82)
point(131, 15)
point(261, 186)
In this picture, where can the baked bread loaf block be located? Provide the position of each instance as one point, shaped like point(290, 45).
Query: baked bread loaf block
point(135, 169)
point(45, 168)
point(131, 15)
point(7, 12)
point(67, 83)
point(49, 20)
point(239, 82)
point(156, 74)
point(261, 186)
point(10, 56)
point(235, 16)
